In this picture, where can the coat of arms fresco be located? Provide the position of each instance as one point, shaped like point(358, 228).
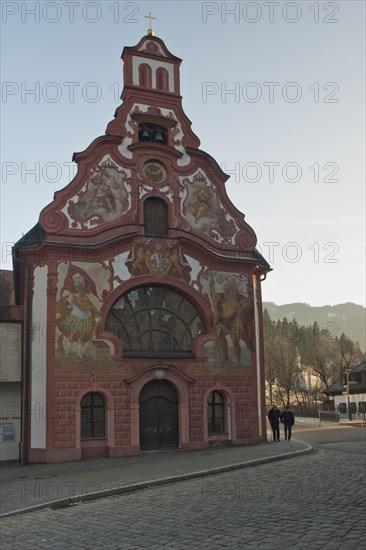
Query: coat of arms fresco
point(104, 198)
point(159, 258)
point(233, 322)
point(202, 209)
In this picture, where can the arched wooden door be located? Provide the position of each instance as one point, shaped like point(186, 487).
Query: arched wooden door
point(158, 416)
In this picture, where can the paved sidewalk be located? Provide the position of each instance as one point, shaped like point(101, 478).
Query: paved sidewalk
point(341, 422)
point(36, 486)
point(307, 420)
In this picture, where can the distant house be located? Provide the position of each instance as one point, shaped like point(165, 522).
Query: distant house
point(356, 394)
point(306, 379)
point(11, 352)
point(305, 394)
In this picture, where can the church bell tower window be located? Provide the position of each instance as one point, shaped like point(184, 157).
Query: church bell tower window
point(162, 80)
point(145, 76)
point(153, 133)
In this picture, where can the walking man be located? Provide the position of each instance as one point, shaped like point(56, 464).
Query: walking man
point(288, 420)
point(275, 417)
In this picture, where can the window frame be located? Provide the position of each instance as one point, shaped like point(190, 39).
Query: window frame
point(94, 410)
point(162, 79)
point(212, 409)
point(156, 218)
point(145, 75)
point(166, 314)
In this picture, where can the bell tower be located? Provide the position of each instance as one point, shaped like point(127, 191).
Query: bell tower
point(150, 67)
point(151, 111)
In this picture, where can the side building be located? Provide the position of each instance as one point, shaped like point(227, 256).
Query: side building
point(348, 395)
point(11, 363)
point(141, 288)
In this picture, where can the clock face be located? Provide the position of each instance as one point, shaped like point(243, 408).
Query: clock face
point(154, 172)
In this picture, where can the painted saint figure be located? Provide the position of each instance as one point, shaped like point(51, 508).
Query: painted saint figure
point(202, 205)
point(233, 316)
point(105, 197)
point(204, 211)
point(77, 318)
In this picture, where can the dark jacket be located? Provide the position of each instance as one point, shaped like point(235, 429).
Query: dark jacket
point(288, 418)
point(274, 417)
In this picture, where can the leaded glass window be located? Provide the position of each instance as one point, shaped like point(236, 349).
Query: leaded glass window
point(216, 422)
point(154, 319)
point(92, 416)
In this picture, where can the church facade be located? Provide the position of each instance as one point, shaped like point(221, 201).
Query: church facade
point(141, 288)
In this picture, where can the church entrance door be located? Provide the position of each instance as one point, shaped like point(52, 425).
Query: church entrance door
point(158, 416)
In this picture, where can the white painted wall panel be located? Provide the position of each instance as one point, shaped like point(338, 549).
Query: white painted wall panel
point(137, 61)
point(38, 376)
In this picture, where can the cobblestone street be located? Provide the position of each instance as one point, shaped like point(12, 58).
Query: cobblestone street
point(316, 501)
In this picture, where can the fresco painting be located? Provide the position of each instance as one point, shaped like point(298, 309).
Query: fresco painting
point(202, 209)
point(158, 257)
point(78, 320)
point(104, 198)
point(233, 339)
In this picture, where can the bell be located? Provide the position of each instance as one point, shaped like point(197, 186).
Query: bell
point(159, 137)
point(145, 136)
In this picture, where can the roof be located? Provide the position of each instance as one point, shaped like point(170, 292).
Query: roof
point(34, 237)
point(359, 368)
point(261, 260)
point(338, 387)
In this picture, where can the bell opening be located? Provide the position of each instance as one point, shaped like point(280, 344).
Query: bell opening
point(153, 133)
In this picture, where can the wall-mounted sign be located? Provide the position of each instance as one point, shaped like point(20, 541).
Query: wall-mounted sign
point(7, 433)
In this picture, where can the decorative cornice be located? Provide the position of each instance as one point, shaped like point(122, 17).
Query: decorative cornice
point(155, 148)
point(161, 373)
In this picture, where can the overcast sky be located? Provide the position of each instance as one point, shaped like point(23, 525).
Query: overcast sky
point(275, 91)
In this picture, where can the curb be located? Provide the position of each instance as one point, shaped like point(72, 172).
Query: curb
point(126, 489)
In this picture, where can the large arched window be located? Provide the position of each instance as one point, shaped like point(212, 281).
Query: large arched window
point(92, 416)
point(216, 419)
point(155, 320)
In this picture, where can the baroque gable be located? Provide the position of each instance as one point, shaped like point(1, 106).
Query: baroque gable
point(149, 150)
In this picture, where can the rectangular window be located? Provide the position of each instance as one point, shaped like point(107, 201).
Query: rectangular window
point(353, 407)
point(156, 217)
point(92, 416)
point(216, 423)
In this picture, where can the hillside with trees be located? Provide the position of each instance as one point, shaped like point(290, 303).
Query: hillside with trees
point(345, 318)
point(302, 360)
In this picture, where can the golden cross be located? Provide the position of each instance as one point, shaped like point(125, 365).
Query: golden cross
point(150, 30)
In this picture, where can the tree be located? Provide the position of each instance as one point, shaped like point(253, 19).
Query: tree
point(280, 358)
point(288, 348)
point(285, 367)
point(331, 357)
